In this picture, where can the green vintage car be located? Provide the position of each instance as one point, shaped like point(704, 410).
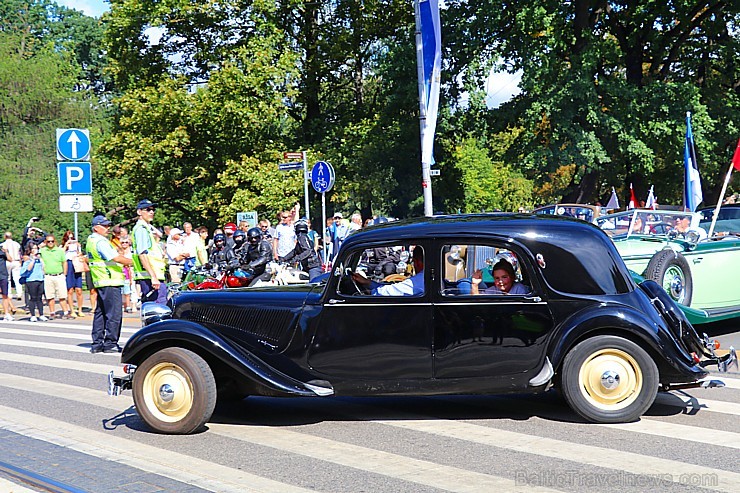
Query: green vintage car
point(672, 248)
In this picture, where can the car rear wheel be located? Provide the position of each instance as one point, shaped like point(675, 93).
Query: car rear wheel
point(671, 270)
point(609, 379)
point(174, 391)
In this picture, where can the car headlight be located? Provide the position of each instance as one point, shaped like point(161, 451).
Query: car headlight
point(154, 312)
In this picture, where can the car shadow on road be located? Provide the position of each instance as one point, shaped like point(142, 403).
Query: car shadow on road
point(550, 406)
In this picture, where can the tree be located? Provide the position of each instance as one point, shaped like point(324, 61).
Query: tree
point(606, 85)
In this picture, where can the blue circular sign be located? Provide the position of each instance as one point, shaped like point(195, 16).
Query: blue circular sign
point(73, 144)
point(322, 176)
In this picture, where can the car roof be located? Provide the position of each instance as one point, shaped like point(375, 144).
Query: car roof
point(510, 225)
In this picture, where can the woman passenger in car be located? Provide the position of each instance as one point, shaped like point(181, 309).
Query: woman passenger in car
point(504, 281)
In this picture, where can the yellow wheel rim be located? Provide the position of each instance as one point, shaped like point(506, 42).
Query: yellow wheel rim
point(610, 379)
point(168, 392)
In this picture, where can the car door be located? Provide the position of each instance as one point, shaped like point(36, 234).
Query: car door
point(372, 340)
point(487, 334)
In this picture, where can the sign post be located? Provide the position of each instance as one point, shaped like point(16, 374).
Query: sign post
point(75, 173)
point(322, 179)
point(303, 163)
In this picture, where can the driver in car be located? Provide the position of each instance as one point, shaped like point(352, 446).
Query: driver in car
point(412, 286)
point(683, 226)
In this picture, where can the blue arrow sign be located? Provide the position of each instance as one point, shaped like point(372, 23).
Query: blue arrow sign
point(75, 178)
point(322, 176)
point(73, 144)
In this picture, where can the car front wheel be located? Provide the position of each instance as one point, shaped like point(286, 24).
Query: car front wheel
point(609, 379)
point(174, 391)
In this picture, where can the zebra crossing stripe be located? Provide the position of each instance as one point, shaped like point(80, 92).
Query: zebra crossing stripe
point(668, 470)
point(681, 432)
point(180, 467)
point(408, 469)
point(10, 487)
point(83, 348)
point(65, 364)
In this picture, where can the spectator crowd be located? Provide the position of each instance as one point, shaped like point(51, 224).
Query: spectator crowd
point(45, 274)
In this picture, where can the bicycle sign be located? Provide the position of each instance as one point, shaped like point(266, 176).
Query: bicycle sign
point(322, 176)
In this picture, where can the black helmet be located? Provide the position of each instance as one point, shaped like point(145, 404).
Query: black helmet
point(254, 235)
point(219, 237)
point(301, 227)
point(239, 236)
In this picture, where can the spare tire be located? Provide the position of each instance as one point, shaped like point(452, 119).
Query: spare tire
point(671, 270)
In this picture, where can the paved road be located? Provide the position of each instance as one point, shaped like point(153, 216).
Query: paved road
point(57, 421)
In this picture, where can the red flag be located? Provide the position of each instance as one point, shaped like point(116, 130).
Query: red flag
point(633, 199)
point(736, 157)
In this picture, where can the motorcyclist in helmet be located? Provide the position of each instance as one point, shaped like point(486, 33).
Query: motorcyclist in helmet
point(304, 252)
point(217, 256)
point(258, 255)
point(236, 254)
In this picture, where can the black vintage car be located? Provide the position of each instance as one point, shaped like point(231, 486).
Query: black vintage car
point(580, 323)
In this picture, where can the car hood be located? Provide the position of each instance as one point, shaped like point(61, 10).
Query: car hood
point(265, 315)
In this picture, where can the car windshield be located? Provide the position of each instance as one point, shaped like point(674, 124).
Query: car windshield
point(644, 222)
point(579, 212)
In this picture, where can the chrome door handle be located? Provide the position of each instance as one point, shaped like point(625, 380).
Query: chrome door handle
point(334, 302)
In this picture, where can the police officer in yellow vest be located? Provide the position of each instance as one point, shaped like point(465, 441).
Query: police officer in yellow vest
point(149, 258)
point(106, 269)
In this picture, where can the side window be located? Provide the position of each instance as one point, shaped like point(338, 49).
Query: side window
point(476, 269)
point(386, 270)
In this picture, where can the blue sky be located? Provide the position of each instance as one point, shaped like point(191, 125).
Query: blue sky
point(93, 8)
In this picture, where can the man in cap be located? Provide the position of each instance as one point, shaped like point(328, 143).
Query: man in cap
point(149, 258)
point(338, 232)
point(106, 269)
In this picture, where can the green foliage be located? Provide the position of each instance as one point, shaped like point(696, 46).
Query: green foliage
point(36, 97)
point(606, 87)
point(489, 185)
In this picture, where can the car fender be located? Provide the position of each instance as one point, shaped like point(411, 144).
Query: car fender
point(174, 332)
point(622, 320)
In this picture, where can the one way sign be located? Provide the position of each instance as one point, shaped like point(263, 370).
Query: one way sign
point(73, 144)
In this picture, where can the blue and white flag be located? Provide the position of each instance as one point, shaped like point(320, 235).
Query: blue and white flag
point(431, 38)
point(692, 195)
point(651, 202)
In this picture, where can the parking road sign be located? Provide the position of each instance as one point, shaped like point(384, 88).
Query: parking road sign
point(73, 144)
point(75, 178)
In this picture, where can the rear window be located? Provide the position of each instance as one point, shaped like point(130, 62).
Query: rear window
point(589, 265)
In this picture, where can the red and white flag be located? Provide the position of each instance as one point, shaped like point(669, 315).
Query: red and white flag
point(633, 200)
point(736, 157)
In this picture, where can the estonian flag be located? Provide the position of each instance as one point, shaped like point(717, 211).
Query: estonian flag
point(692, 195)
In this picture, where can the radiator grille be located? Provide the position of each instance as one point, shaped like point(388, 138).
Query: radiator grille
point(267, 324)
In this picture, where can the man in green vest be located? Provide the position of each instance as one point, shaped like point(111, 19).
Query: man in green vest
point(149, 258)
point(106, 269)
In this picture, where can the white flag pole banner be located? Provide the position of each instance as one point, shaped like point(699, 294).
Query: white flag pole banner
point(429, 69)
